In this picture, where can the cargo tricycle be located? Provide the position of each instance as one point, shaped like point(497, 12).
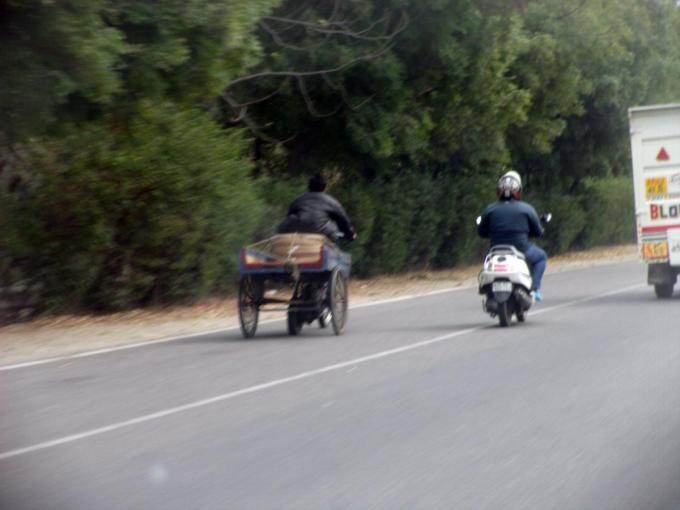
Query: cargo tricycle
point(304, 275)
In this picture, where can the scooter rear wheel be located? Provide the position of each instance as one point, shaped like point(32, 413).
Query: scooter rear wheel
point(504, 314)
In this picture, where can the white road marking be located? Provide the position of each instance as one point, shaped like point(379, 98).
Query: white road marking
point(279, 382)
point(87, 354)
point(413, 296)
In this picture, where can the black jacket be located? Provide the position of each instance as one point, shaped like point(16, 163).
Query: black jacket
point(317, 213)
point(510, 222)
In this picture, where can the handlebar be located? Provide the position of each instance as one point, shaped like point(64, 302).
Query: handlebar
point(544, 218)
point(340, 236)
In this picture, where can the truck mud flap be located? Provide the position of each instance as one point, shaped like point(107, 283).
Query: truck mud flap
point(661, 274)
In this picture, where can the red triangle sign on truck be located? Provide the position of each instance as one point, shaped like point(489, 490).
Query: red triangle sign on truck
point(662, 155)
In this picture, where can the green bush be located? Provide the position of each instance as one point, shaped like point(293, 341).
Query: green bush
point(114, 218)
point(568, 220)
point(610, 208)
point(416, 221)
point(385, 249)
point(277, 195)
point(467, 196)
point(358, 201)
point(400, 230)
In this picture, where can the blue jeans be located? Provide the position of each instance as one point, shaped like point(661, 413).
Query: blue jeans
point(537, 259)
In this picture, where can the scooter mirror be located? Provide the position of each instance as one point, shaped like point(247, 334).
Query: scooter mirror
point(478, 220)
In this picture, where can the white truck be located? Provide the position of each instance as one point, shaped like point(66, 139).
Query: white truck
point(655, 149)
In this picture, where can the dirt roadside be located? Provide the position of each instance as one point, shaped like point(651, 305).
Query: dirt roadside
point(63, 335)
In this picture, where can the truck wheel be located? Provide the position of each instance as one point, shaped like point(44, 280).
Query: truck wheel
point(663, 290)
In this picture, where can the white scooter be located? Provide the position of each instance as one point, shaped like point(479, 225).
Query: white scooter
point(505, 281)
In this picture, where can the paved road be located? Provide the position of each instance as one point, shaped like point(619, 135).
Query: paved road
point(424, 403)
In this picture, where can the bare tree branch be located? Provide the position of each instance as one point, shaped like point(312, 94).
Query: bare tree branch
point(238, 105)
point(301, 7)
point(239, 110)
point(276, 36)
point(241, 114)
point(346, 24)
point(340, 88)
point(334, 26)
point(370, 56)
point(337, 69)
point(336, 11)
point(255, 129)
point(426, 91)
point(310, 104)
point(571, 12)
point(250, 123)
point(344, 31)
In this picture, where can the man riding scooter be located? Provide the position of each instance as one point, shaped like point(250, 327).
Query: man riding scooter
point(512, 221)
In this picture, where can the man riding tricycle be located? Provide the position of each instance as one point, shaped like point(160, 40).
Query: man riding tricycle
point(302, 259)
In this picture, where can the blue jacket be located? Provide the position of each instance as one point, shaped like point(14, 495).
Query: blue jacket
point(510, 222)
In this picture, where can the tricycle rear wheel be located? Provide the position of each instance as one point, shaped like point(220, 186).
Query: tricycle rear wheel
point(248, 306)
point(338, 301)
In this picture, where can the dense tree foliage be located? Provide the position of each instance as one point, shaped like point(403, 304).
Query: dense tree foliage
point(141, 143)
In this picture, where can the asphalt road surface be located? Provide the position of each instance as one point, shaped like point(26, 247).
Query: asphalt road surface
point(423, 403)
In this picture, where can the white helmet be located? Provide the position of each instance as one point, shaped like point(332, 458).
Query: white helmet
point(509, 185)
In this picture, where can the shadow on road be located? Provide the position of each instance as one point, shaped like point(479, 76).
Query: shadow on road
point(440, 328)
point(236, 337)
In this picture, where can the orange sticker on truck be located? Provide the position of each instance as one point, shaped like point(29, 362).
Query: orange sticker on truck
point(657, 250)
point(656, 187)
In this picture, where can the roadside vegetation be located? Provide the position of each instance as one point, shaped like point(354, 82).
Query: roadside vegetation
point(142, 143)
